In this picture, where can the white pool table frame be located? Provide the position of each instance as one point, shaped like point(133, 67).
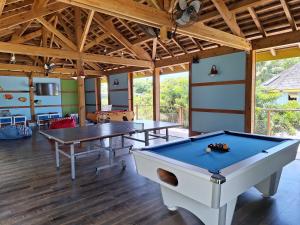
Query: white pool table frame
point(213, 200)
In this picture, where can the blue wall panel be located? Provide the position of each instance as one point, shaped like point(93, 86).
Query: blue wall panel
point(10, 83)
point(20, 111)
point(209, 122)
point(89, 84)
point(119, 98)
point(90, 98)
point(39, 110)
point(230, 67)
point(123, 81)
point(48, 100)
point(219, 97)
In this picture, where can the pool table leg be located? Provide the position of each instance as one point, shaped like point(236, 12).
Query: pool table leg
point(209, 216)
point(269, 186)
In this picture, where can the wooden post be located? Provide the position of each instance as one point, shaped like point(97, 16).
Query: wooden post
point(180, 115)
point(136, 112)
point(190, 100)
point(81, 94)
point(250, 92)
point(98, 93)
point(31, 97)
point(269, 123)
point(130, 91)
point(156, 94)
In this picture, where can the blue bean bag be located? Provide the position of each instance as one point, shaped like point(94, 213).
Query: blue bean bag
point(14, 132)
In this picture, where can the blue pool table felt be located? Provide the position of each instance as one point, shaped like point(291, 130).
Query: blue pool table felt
point(193, 152)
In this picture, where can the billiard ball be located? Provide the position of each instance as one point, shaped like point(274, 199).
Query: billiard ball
point(208, 149)
point(225, 147)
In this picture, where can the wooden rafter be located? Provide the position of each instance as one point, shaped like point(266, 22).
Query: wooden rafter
point(288, 14)
point(256, 21)
point(40, 69)
point(144, 14)
point(96, 41)
point(63, 54)
point(86, 30)
point(228, 17)
point(26, 15)
point(2, 4)
point(56, 32)
point(109, 28)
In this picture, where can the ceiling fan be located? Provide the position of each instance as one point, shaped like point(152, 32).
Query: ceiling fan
point(49, 67)
point(186, 12)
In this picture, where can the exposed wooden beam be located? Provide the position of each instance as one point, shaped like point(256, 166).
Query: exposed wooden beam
point(228, 17)
point(86, 30)
point(276, 40)
point(236, 7)
point(140, 13)
point(26, 16)
point(154, 48)
point(176, 60)
point(273, 52)
point(96, 41)
point(38, 4)
point(109, 28)
point(2, 4)
point(256, 21)
point(63, 54)
point(40, 69)
point(27, 37)
point(288, 14)
point(57, 33)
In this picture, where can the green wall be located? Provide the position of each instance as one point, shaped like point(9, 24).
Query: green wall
point(69, 96)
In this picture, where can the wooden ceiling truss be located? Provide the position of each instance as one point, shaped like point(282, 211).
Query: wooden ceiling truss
point(111, 36)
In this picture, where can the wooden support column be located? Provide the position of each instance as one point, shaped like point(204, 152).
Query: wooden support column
point(108, 91)
point(81, 94)
point(31, 97)
point(190, 100)
point(250, 92)
point(156, 94)
point(80, 70)
point(130, 91)
point(98, 93)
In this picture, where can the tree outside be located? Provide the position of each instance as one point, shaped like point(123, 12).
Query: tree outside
point(173, 97)
point(284, 118)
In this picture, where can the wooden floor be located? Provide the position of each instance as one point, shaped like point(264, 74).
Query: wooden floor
point(32, 192)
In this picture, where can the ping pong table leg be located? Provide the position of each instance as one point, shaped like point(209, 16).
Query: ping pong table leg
point(72, 161)
point(167, 134)
point(146, 138)
point(57, 155)
point(123, 141)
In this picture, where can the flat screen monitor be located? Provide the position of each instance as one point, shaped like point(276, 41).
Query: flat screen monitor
point(46, 89)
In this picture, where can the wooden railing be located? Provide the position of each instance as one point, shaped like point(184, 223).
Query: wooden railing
point(270, 112)
point(169, 114)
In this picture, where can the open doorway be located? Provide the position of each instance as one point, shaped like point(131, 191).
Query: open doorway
point(174, 101)
point(142, 97)
point(277, 111)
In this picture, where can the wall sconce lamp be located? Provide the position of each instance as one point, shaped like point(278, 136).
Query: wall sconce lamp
point(213, 71)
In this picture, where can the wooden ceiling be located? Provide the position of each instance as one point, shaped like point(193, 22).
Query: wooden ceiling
point(109, 35)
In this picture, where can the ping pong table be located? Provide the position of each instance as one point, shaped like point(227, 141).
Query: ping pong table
point(69, 137)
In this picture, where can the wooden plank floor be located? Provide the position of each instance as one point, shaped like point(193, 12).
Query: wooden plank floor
point(32, 192)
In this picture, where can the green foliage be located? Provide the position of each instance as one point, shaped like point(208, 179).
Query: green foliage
point(268, 69)
point(173, 94)
point(284, 120)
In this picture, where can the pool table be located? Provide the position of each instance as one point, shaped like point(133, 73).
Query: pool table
point(208, 183)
